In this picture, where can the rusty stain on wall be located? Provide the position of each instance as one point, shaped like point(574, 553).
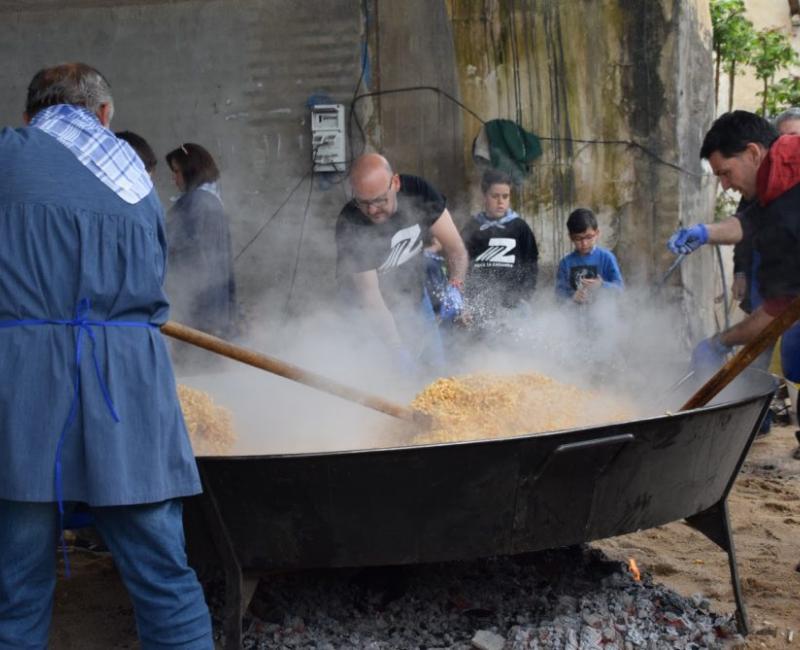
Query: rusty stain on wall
point(590, 78)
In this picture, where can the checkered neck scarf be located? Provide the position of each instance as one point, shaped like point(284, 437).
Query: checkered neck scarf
point(111, 160)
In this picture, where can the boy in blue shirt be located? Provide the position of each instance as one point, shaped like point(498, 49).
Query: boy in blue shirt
point(589, 270)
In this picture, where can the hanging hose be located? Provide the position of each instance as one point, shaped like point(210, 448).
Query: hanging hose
point(724, 288)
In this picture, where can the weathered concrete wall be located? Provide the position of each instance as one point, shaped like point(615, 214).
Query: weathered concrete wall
point(621, 94)
point(420, 130)
point(589, 71)
point(234, 75)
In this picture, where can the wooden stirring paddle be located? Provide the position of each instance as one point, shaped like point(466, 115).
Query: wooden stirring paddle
point(277, 367)
point(745, 356)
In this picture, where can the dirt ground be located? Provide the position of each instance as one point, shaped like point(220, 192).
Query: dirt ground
point(92, 610)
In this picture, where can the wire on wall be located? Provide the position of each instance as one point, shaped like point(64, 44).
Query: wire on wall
point(467, 109)
point(269, 219)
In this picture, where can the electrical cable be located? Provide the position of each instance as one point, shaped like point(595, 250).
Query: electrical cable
point(724, 287)
point(299, 244)
point(351, 116)
point(280, 207)
point(515, 58)
point(272, 216)
point(467, 109)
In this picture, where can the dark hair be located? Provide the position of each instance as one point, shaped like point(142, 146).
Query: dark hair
point(140, 146)
point(69, 83)
point(581, 220)
point(196, 164)
point(495, 177)
point(732, 132)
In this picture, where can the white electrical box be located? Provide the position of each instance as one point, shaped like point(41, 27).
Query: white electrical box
point(328, 138)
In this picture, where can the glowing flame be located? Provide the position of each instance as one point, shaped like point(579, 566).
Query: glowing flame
point(634, 569)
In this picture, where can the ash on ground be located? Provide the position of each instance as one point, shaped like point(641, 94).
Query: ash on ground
point(572, 598)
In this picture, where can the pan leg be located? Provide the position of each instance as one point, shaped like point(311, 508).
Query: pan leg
point(714, 523)
point(233, 608)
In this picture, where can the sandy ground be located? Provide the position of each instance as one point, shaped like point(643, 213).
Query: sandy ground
point(92, 610)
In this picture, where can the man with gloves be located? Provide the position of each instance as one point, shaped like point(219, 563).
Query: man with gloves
point(379, 241)
point(747, 155)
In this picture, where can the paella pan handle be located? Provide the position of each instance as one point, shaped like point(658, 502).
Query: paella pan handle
point(277, 367)
point(745, 356)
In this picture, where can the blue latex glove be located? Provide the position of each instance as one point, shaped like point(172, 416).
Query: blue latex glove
point(452, 303)
point(689, 239)
point(709, 355)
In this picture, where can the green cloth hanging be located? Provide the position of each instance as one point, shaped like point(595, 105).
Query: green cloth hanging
point(512, 149)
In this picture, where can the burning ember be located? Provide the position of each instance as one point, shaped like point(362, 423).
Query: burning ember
point(634, 569)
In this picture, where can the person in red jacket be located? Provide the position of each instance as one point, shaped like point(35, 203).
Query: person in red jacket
point(747, 155)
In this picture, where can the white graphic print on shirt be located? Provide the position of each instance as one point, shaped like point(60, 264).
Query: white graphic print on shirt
point(497, 254)
point(406, 243)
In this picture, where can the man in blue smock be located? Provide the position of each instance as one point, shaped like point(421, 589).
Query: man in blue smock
point(88, 404)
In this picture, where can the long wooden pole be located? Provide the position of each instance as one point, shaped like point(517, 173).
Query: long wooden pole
point(745, 356)
point(289, 371)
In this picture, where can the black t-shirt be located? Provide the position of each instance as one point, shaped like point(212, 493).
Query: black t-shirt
point(503, 263)
point(393, 248)
point(775, 233)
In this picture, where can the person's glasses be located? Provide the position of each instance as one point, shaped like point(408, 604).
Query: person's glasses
point(377, 202)
point(582, 238)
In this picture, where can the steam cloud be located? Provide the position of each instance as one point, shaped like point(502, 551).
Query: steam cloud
point(630, 348)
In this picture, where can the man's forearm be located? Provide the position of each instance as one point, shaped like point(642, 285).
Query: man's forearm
point(728, 231)
point(747, 329)
point(457, 264)
point(454, 251)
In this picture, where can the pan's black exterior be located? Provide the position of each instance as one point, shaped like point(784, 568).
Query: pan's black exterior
point(475, 499)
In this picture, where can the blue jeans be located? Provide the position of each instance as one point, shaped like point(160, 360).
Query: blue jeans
point(790, 353)
point(147, 544)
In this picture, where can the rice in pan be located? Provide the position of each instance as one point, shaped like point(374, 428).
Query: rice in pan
point(487, 405)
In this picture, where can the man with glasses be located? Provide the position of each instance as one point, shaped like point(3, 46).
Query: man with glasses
point(589, 267)
point(380, 235)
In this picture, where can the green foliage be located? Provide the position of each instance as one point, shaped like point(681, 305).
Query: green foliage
point(772, 52)
point(782, 94)
point(733, 37)
point(737, 44)
point(733, 32)
point(724, 206)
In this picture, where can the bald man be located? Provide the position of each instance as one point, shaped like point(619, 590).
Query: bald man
point(379, 241)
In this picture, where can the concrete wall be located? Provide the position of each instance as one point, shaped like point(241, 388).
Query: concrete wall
point(232, 75)
point(621, 93)
point(235, 75)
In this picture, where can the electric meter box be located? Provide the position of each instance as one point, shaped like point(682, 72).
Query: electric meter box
point(328, 137)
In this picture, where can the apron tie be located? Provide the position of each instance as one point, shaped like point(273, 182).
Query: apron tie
point(83, 325)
